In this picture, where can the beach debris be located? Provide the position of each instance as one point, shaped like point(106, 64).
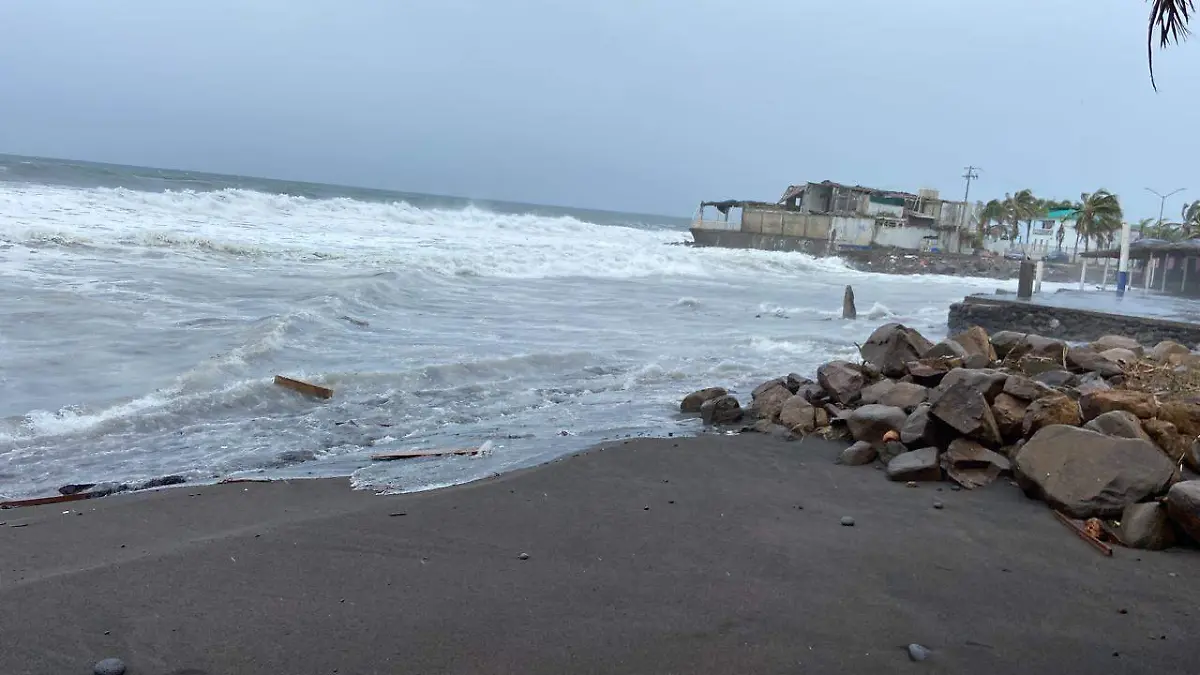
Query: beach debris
point(937, 504)
point(848, 309)
point(109, 667)
point(918, 653)
point(305, 388)
point(417, 454)
point(1085, 533)
point(523, 556)
point(847, 521)
point(39, 501)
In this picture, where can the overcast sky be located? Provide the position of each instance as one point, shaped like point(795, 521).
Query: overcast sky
point(639, 105)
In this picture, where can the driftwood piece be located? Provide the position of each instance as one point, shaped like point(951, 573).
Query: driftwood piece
point(38, 501)
point(303, 387)
point(416, 454)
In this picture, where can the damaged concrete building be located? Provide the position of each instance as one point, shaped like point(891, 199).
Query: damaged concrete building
point(822, 218)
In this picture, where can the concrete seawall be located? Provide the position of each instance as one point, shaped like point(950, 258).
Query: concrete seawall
point(762, 242)
point(994, 313)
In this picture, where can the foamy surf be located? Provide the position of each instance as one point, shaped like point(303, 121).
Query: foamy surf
point(143, 329)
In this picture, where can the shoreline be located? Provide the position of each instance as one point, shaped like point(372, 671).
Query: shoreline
point(703, 554)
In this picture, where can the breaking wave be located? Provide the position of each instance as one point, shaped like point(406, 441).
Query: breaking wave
point(463, 242)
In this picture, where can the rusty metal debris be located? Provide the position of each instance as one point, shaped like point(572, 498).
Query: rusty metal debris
point(1089, 532)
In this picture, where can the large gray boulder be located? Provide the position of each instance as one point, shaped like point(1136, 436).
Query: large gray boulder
point(921, 430)
point(842, 380)
point(692, 402)
point(906, 395)
point(975, 342)
point(874, 392)
point(892, 346)
point(1005, 341)
point(963, 408)
point(798, 415)
point(971, 465)
point(1025, 388)
point(1049, 411)
point(1009, 412)
point(1095, 403)
point(1146, 526)
point(721, 410)
point(858, 454)
point(917, 465)
point(987, 382)
point(1117, 342)
point(768, 402)
point(1183, 507)
point(1119, 424)
point(1088, 360)
point(1164, 351)
point(871, 422)
point(1090, 475)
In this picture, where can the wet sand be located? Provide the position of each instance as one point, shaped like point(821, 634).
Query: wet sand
point(710, 555)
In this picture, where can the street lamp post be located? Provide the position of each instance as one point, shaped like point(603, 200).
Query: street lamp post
point(1123, 266)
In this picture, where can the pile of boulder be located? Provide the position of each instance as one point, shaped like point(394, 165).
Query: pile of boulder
point(1101, 431)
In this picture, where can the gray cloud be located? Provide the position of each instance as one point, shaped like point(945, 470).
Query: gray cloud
point(646, 106)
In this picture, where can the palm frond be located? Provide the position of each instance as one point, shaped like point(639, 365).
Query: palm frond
point(1170, 18)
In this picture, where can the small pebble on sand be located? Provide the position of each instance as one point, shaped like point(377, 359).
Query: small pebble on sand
point(847, 521)
point(524, 556)
point(917, 653)
point(938, 505)
point(109, 667)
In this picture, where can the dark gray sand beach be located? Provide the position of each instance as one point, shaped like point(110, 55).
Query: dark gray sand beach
point(719, 554)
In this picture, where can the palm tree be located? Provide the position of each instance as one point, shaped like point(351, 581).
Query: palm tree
point(992, 212)
point(1171, 17)
point(1189, 220)
point(1099, 217)
point(1022, 206)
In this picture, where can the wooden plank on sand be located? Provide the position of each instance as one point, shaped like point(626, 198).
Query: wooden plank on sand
point(303, 387)
point(415, 454)
point(57, 499)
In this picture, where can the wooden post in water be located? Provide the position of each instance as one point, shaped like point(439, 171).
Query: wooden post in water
point(848, 310)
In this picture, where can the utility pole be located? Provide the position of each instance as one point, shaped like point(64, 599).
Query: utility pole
point(970, 175)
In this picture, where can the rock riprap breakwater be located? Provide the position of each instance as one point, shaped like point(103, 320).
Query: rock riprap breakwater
point(1106, 432)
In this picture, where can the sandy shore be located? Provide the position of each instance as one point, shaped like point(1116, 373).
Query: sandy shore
point(709, 555)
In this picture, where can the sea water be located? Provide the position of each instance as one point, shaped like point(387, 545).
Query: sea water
point(144, 313)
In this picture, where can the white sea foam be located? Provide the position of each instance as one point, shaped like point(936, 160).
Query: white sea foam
point(142, 330)
point(448, 242)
